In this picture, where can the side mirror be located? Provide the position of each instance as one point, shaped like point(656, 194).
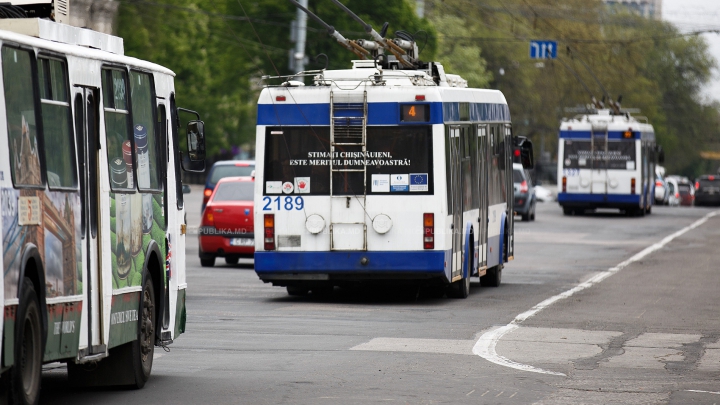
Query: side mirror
point(186, 189)
point(194, 159)
point(661, 155)
point(196, 140)
point(526, 151)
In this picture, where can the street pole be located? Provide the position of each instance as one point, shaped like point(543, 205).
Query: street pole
point(300, 34)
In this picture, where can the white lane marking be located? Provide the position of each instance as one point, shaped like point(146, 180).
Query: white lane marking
point(704, 392)
point(486, 344)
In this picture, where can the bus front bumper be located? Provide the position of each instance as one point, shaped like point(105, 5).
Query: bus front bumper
point(349, 265)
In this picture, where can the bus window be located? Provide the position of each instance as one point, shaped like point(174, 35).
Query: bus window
point(57, 129)
point(146, 142)
point(579, 155)
point(20, 111)
point(117, 130)
point(299, 154)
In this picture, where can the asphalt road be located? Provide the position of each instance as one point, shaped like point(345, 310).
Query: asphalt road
point(644, 332)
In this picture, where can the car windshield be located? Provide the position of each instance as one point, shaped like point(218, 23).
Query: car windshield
point(518, 176)
point(235, 191)
point(223, 171)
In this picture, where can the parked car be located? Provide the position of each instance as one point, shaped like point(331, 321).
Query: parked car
point(226, 228)
point(524, 193)
point(674, 193)
point(222, 169)
point(707, 190)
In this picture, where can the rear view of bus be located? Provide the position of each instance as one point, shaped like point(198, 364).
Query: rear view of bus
point(606, 159)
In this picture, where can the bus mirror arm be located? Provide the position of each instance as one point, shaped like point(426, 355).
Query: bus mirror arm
point(661, 155)
point(195, 133)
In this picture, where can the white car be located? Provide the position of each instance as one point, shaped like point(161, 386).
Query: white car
point(673, 192)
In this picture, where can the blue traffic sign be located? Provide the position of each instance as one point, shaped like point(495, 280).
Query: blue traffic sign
point(543, 49)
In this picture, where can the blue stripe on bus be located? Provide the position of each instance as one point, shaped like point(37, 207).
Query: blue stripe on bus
point(378, 113)
point(427, 262)
point(598, 198)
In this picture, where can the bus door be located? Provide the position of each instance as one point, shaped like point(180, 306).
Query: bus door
point(599, 147)
point(510, 192)
point(86, 124)
point(483, 195)
point(455, 199)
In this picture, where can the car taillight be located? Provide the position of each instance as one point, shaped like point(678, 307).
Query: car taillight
point(564, 188)
point(632, 185)
point(658, 183)
point(677, 195)
point(206, 195)
point(208, 218)
point(429, 231)
point(269, 232)
point(697, 185)
point(524, 187)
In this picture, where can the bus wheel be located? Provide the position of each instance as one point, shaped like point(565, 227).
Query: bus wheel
point(493, 277)
point(143, 348)
point(26, 372)
point(459, 289)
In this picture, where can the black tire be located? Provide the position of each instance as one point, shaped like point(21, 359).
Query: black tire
point(297, 291)
point(323, 291)
point(568, 211)
point(525, 217)
point(143, 348)
point(207, 261)
point(25, 375)
point(232, 260)
point(532, 215)
point(493, 277)
point(459, 289)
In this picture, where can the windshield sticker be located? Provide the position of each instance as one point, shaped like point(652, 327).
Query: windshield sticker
point(399, 183)
point(287, 187)
point(273, 187)
point(302, 185)
point(380, 183)
point(350, 159)
point(418, 182)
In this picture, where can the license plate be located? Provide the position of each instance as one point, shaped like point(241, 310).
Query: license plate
point(242, 242)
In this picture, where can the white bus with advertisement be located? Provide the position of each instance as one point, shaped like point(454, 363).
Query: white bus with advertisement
point(93, 232)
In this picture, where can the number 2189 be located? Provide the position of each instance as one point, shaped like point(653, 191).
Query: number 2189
point(288, 203)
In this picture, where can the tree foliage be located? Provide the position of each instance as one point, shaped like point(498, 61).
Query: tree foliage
point(219, 50)
point(608, 50)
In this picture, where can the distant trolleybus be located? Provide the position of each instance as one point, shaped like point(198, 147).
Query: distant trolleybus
point(390, 171)
point(93, 232)
point(607, 160)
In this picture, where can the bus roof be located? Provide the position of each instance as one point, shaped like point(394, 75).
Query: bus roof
point(75, 35)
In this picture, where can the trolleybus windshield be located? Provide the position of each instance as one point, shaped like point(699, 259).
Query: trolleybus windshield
point(399, 160)
point(579, 154)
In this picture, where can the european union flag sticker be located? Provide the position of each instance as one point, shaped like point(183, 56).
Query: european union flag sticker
point(418, 182)
point(247, 211)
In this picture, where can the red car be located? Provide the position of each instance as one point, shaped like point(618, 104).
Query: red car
point(226, 229)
